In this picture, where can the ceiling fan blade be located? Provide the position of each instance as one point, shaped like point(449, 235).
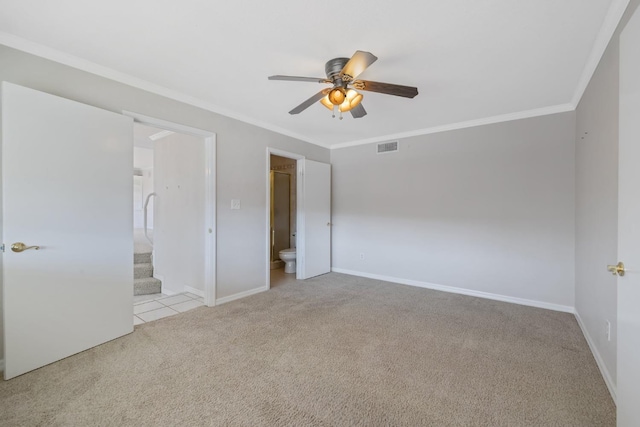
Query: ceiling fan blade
point(300, 79)
point(386, 88)
point(357, 64)
point(358, 111)
point(309, 102)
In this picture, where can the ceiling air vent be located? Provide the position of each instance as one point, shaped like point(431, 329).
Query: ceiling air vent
point(387, 147)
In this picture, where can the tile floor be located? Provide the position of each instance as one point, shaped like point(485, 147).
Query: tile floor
point(279, 277)
point(147, 308)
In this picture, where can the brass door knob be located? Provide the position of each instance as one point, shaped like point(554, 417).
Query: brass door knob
point(616, 269)
point(21, 247)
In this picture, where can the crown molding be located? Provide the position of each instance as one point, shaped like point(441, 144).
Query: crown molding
point(55, 55)
point(608, 29)
point(554, 109)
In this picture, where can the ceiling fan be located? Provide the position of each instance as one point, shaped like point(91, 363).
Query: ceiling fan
point(343, 96)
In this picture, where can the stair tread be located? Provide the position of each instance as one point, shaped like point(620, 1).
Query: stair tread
point(142, 258)
point(146, 286)
point(142, 270)
point(147, 279)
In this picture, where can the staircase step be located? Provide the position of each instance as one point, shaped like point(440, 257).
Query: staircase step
point(142, 258)
point(146, 286)
point(140, 271)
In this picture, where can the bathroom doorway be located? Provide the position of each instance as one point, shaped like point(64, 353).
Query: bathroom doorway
point(309, 218)
point(282, 218)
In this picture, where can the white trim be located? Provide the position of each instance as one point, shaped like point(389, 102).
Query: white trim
point(160, 135)
point(599, 360)
point(211, 226)
point(167, 125)
point(169, 292)
point(194, 291)
point(276, 264)
point(545, 111)
point(209, 196)
point(297, 158)
point(241, 295)
point(91, 67)
point(462, 291)
point(608, 29)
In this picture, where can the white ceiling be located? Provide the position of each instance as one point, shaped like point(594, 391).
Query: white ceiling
point(472, 60)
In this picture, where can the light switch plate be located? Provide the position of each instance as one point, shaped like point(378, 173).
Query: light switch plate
point(235, 203)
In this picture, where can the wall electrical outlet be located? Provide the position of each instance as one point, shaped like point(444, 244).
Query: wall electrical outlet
point(607, 329)
point(361, 255)
point(235, 203)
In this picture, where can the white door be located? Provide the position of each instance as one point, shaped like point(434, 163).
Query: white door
point(314, 250)
point(628, 383)
point(66, 187)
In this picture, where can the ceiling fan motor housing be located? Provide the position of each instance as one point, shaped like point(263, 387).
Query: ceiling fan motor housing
point(333, 68)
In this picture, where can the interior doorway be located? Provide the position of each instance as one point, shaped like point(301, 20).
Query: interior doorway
point(312, 239)
point(174, 216)
point(283, 209)
point(168, 220)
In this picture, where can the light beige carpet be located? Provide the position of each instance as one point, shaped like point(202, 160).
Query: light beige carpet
point(334, 350)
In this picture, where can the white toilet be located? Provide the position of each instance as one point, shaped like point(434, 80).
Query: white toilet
point(289, 257)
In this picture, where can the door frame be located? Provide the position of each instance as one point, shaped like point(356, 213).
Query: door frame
point(299, 210)
point(209, 196)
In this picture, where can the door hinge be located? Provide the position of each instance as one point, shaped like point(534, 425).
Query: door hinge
point(2, 247)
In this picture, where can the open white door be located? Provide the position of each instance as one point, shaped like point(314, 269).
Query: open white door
point(314, 248)
point(628, 383)
point(66, 187)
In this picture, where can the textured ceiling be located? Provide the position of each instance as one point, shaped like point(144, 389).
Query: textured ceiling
point(470, 59)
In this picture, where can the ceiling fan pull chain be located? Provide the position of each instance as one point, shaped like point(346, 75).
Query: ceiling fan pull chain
point(333, 112)
point(340, 114)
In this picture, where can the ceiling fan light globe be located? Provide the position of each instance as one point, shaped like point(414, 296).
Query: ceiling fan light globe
point(325, 101)
point(337, 96)
point(351, 101)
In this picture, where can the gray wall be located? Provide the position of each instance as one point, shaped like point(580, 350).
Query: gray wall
point(178, 258)
point(241, 157)
point(487, 209)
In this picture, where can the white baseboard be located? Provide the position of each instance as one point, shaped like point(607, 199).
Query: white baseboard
point(276, 264)
point(163, 288)
point(194, 291)
point(599, 360)
point(241, 295)
point(454, 290)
